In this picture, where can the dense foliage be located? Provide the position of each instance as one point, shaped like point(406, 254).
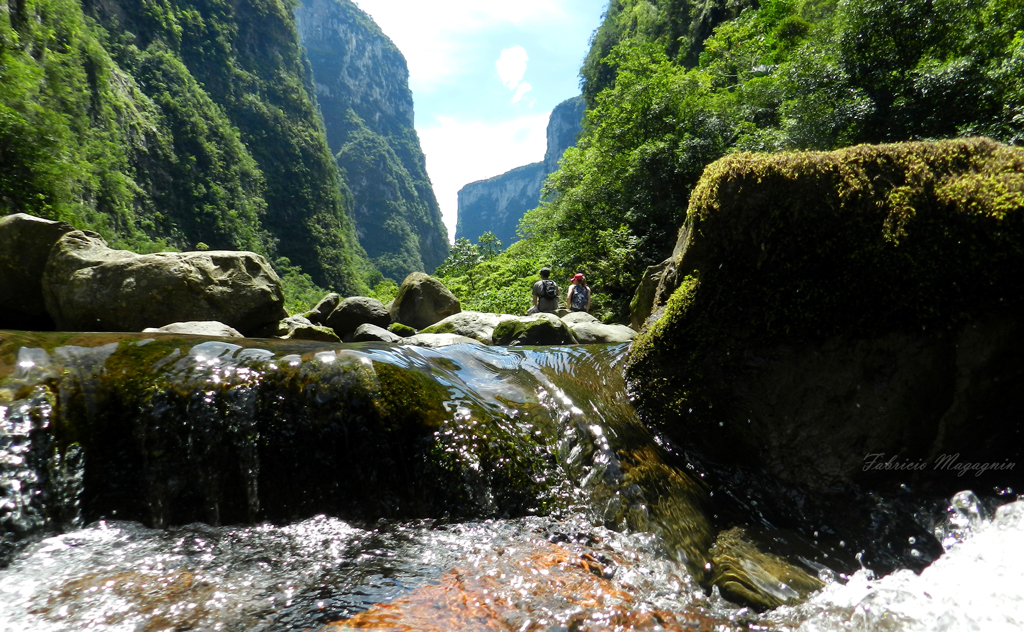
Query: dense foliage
point(169, 124)
point(786, 75)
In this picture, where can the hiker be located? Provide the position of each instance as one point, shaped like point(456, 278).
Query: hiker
point(545, 294)
point(578, 298)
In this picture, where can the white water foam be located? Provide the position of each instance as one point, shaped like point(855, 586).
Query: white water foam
point(977, 585)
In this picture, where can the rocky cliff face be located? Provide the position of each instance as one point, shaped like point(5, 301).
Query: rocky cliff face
point(362, 85)
point(497, 204)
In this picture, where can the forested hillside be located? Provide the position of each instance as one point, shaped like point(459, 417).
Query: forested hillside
point(188, 124)
point(665, 101)
point(362, 84)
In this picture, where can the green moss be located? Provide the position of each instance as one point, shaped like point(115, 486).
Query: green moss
point(402, 330)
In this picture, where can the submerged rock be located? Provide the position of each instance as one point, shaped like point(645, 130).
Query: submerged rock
point(90, 287)
point(839, 311)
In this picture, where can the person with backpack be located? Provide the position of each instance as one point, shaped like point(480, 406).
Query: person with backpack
point(578, 298)
point(545, 293)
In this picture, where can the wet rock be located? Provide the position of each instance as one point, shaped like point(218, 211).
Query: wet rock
point(355, 311)
point(439, 340)
point(477, 325)
point(747, 575)
point(90, 287)
point(536, 329)
point(25, 244)
point(422, 301)
point(197, 328)
point(845, 309)
point(373, 333)
point(318, 315)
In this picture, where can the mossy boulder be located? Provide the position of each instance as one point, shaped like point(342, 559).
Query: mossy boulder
point(536, 329)
point(833, 306)
point(422, 301)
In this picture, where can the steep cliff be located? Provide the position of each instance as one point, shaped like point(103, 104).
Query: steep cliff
point(362, 85)
point(174, 123)
point(497, 204)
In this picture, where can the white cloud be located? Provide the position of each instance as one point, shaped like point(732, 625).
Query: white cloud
point(432, 33)
point(520, 91)
point(459, 153)
point(511, 66)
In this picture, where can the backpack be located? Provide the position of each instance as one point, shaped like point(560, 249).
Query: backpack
point(579, 298)
point(549, 289)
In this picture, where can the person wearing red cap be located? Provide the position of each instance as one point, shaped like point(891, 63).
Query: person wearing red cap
point(578, 298)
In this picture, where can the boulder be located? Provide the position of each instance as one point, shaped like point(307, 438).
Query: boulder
point(536, 329)
point(477, 325)
point(575, 318)
point(25, 244)
point(401, 330)
point(588, 333)
point(318, 315)
point(422, 301)
point(439, 340)
point(844, 310)
point(373, 333)
point(197, 328)
point(355, 311)
point(90, 287)
point(297, 328)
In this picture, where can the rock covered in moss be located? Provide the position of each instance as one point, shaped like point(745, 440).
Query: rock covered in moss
point(536, 329)
point(25, 243)
point(422, 301)
point(90, 287)
point(839, 309)
point(477, 325)
point(401, 330)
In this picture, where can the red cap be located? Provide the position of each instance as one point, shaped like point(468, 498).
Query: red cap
point(578, 277)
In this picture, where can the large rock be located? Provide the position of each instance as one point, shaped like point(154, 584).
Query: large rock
point(439, 340)
point(839, 310)
point(422, 301)
point(477, 325)
point(536, 329)
point(373, 333)
point(25, 243)
point(355, 311)
point(297, 328)
point(589, 333)
point(318, 315)
point(90, 287)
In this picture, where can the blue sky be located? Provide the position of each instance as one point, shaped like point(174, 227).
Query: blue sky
point(485, 75)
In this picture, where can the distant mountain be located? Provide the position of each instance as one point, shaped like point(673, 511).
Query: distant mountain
point(362, 85)
point(497, 204)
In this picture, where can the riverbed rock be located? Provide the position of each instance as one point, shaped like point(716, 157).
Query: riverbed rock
point(355, 311)
point(422, 301)
point(589, 333)
point(575, 318)
point(318, 315)
point(197, 328)
point(847, 308)
point(435, 341)
point(372, 333)
point(90, 287)
point(536, 329)
point(477, 325)
point(25, 244)
point(297, 328)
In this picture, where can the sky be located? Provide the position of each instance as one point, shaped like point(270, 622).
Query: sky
point(485, 75)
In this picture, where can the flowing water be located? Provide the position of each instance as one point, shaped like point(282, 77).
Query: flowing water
point(188, 484)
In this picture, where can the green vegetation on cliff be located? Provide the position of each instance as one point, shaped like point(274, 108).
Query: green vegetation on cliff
point(170, 124)
point(781, 75)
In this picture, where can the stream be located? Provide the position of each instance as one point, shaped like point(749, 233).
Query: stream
point(179, 483)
